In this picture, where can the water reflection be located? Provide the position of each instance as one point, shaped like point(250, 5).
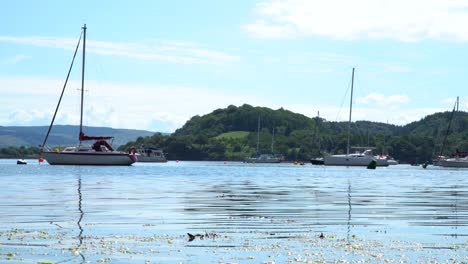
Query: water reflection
point(80, 210)
point(309, 201)
point(349, 211)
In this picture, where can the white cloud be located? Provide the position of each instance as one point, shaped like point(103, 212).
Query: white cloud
point(16, 59)
point(166, 51)
point(166, 108)
point(150, 107)
point(383, 101)
point(262, 29)
point(399, 20)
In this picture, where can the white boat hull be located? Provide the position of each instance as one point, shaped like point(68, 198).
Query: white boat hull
point(454, 163)
point(349, 160)
point(255, 160)
point(264, 158)
point(88, 158)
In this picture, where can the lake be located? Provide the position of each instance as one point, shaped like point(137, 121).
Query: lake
point(236, 212)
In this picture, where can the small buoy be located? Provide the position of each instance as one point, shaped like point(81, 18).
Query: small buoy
point(40, 159)
point(177, 161)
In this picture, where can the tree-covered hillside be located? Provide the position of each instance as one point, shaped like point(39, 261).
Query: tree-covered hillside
point(231, 134)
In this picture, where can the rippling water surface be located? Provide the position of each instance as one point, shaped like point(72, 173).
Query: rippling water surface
point(238, 213)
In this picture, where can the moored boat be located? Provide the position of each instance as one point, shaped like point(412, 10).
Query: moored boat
point(99, 153)
point(353, 159)
point(21, 162)
point(458, 160)
point(316, 161)
point(264, 158)
point(148, 154)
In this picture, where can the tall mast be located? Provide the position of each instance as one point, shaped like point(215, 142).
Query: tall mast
point(273, 141)
point(317, 130)
point(350, 111)
point(82, 81)
point(258, 135)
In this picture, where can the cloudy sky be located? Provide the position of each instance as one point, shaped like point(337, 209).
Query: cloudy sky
point(154, 64)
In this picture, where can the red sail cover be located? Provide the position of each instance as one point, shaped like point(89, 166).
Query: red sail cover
point(84, 137)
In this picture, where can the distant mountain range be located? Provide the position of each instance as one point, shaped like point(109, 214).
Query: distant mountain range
point(62, 135)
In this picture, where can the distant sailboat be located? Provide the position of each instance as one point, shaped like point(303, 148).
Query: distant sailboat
point(354, 159)
point(319, 160)
point(100, 153)
point(264, 158)
point(459, 159)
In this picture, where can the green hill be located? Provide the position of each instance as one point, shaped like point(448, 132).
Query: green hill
point(231, 134)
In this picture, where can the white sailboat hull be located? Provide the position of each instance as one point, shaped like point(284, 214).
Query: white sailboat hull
point(352, 160)
point(257, 160)
point(88, 158)
point(454, 163)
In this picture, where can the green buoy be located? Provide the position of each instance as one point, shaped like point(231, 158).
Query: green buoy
point(372, 165)
point(424, 165)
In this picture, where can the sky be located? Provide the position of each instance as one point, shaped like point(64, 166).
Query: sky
point(154, 64)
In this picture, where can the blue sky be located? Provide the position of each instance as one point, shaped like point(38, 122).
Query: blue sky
point(154, 64)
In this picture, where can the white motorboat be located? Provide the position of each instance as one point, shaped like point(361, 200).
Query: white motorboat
point(99, 153)
point(150, 155)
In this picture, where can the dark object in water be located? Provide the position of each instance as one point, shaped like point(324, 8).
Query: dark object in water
point(21, 162)
point(316, 161)
point(191, 237)
point(321, 236)
point(201, 236)
point(424, 165)
point(372, 165)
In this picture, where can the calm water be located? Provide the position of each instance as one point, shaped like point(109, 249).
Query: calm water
point(242, 213)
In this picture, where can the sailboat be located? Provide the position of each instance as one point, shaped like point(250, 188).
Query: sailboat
point(459, 159)
point(100, 152)
point(319, 160)
point(353, 159)
point(265, 157)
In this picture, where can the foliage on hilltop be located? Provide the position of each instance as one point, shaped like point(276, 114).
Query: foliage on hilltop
point(231, 134)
